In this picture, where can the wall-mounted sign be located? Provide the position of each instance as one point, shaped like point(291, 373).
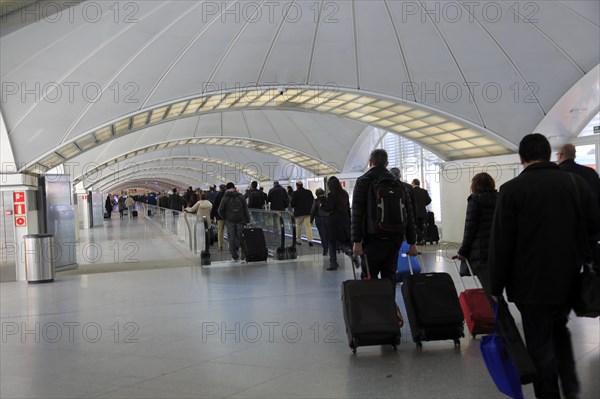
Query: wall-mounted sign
point(20, 221)
point(18, 196)
point(596, 129)
point(8, 212)
point(19, 209)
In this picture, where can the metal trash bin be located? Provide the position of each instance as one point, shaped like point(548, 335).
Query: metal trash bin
point(40, 260)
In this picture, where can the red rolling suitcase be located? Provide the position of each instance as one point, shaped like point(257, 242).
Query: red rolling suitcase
point(475, 306)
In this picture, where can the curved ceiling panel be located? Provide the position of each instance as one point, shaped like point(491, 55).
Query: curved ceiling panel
point(179, 178)
point(497, 67)
point(441, 133)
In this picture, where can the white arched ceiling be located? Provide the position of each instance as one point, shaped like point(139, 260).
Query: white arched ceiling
point(318, 143)
point(125, 174)
point(151, 185)
point(180, 178)
point(223, 171)
point(496, 67)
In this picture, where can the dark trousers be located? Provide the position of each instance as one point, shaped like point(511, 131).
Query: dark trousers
point(420, 227)
point(382, 257)
point(234, 235)
point(333, 247)
point(548, 342)
point(321, 222)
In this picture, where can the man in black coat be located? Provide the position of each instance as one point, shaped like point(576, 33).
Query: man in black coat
point(175, 201)
point(382, 254)
point(421, 200)
point(565, 158)
point(278, 197)
point(302, 201)
point(537, 246)
point(214, 214)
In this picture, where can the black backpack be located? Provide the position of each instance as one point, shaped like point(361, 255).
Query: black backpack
point(386, 212)
point(256, 199)
point(235, 209)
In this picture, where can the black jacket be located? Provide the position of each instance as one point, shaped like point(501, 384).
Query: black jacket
point(302, 201)
point(478, 227)
point(214, 211)
point(588, 174)
point(422, 199)
point(175, 202)
point(278, 198)
point(338, 226)
point(538, 242)
point(319, 208)
point(229, 194)
point(359, 206)
point(255, 198)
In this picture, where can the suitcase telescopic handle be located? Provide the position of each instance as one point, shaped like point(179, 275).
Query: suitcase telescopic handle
point(410, 263)
point(368, 268)
point(454, 258)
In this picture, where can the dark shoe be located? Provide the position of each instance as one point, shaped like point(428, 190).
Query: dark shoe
point(310, 244)
point(299, 243)
point(333, 267)
point(325, 252)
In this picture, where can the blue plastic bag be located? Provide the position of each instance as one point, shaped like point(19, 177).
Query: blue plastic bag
point(403, 269)
point(499, 363)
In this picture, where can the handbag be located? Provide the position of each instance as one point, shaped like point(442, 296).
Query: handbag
point(587, 303)
point(499, 363)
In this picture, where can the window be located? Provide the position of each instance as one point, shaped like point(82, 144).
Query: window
point(415, 162)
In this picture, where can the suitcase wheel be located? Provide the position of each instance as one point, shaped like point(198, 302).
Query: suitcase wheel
point(395, 348)
point(354, 345)
point(419, 345)
point(457, 342)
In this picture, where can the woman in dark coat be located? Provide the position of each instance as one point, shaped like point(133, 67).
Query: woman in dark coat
point(320, 214)
point(478, 224)
point(108, 205)
point(339, 222)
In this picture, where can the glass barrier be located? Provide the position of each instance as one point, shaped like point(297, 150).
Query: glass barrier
point(279, 228)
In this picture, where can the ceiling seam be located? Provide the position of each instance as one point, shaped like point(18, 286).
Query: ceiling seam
point(125, 65)
point(275, 37)
point(314, 44)
point(456, 63)
point(508, 57)
point(305, 138)
point(399, 42)
point(575, 12)
point(246, 123)
point(49, 46)
point(182, 54)
point(571, 59)
point(87, 58)
point(355, 36)
point(232, 43)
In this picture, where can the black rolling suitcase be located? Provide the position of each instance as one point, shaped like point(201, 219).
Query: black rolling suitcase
point(431, 233)
point(370, 312)
point(432, 308)
point(254, 246)
point(134, 213)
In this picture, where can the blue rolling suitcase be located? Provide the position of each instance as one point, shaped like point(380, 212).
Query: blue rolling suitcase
point(403, 268)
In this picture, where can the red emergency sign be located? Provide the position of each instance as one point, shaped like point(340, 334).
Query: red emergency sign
point(18, 196)
point(19, 209)
point(20, 221)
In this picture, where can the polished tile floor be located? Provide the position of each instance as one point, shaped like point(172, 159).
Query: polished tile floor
point(270, 330)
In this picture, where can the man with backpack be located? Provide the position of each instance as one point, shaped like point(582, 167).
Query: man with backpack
point(381, 217)
point(422, 199)
point(234, 210)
